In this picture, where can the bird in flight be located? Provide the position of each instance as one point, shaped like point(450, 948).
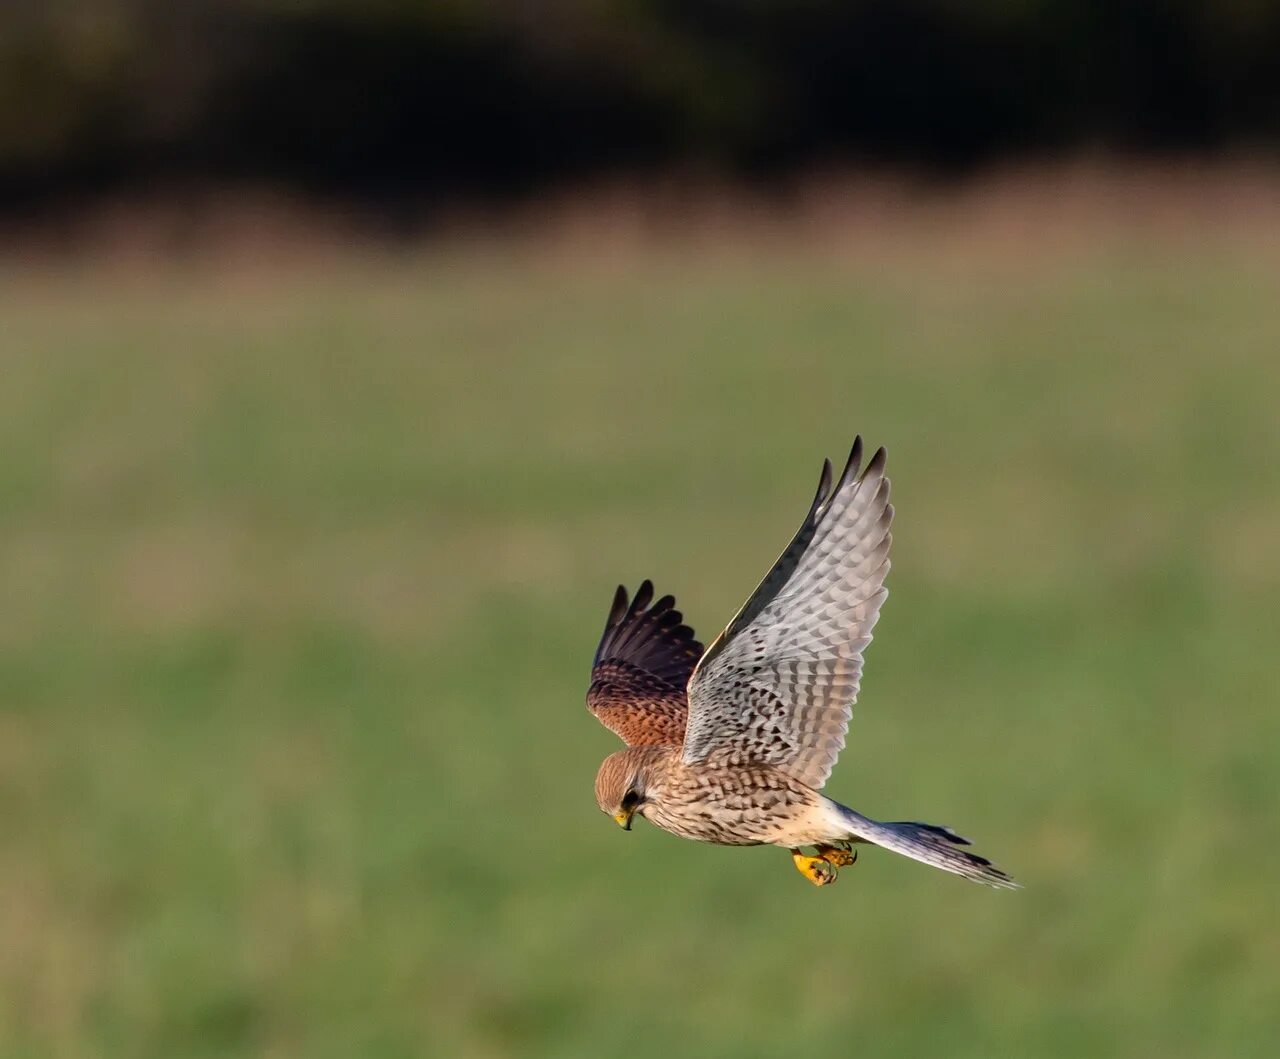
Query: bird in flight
point(732, 745)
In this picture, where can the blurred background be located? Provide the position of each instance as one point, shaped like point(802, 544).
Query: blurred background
point(352, 353)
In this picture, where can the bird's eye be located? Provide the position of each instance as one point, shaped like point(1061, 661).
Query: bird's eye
point(630, 799)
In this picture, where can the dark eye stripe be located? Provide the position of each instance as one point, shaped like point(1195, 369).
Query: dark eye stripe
point(629, 799)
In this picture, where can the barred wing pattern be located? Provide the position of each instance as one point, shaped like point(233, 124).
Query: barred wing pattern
point(778, 685)
point(641, 668)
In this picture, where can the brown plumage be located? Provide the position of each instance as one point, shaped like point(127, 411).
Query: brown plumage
point(733, 745)
point(641, 668)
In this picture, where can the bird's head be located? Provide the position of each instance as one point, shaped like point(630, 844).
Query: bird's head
point(620, 786)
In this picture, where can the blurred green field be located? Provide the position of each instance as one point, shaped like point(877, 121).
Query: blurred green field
point(303, 569)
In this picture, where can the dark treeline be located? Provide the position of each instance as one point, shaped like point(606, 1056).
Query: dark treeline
point(422, 98)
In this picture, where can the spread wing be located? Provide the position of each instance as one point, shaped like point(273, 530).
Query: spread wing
point(641, 669)
point(778, 685)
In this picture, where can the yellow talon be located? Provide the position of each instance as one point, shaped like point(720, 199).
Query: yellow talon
point(837, 857)
point(818, 870)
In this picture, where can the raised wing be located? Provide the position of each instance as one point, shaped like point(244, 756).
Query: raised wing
point(641, 668)
point(778, 685)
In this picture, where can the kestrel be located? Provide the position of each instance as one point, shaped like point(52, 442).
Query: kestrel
point(733, 744)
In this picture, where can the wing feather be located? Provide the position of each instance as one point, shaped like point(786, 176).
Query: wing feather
point(778, 685)
point(641, 668)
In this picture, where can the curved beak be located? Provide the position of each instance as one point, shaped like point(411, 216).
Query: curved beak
point(623, 819)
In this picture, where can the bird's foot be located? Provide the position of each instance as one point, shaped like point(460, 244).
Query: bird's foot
point(838, 856)
point(818, 870)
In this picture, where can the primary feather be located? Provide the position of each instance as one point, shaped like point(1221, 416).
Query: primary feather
point(778, 685)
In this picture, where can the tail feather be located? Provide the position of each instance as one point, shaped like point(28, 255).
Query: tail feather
point(930, 844)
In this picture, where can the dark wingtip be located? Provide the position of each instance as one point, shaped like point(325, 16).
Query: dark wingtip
point(855, 454)
point(669, 618)
point(650, 638)
point(852, 464)
point(619, 607)
point(875, 467)
point(824, 486)
point(644, 596)
point(663, 605)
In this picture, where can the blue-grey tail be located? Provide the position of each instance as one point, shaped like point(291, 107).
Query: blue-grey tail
point(929, 844)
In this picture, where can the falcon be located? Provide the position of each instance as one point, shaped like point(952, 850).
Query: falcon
point(733, 744)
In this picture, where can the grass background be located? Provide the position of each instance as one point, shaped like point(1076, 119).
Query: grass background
point(303, 564)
